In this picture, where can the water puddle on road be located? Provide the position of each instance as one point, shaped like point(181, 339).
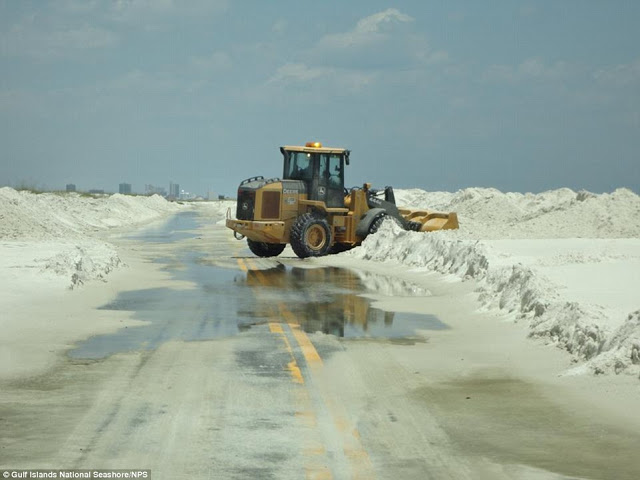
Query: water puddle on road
point(178, 227)
point(227, 301)
point(330, 300)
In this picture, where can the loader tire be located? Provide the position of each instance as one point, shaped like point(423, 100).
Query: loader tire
point(263, 249)
point(310, 236)
point(379, 220)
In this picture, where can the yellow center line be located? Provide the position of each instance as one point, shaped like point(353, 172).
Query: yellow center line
point(306, 347)
point(275, 328)
point(252, 264)
point(308, 350)
point(316, 467)
point(292, 366)
point(317, 475)
point(354, 451)
point(242, 265)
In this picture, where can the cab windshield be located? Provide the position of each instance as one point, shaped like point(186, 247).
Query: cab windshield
point(327, 168)
point(299, 165)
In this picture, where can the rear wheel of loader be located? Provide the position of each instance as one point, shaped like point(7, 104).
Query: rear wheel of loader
point(263, 249)
point(310, 236)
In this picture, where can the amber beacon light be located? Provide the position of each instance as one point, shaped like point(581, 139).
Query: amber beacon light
point(313, 144)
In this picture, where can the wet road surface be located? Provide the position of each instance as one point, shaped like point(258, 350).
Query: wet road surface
point(281, 368)
point(229, 301)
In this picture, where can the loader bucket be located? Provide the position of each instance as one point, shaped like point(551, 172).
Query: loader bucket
point(439, 221)
point(431, 221)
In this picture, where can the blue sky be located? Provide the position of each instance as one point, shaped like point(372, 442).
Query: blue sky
point(517, 95)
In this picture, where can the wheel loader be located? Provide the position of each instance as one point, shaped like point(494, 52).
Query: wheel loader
point(310, 208)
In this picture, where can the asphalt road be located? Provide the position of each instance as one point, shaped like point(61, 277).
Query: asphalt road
point(289, 369)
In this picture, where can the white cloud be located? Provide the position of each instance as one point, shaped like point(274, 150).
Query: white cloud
point(136, 81)
point(66, 28)
point(623, 75)
point(531, 69)
point(20, 101)
point(528, 10)
point(75, 7)
point(368, 31)
point(85, 37)
point(137, 11)
point(30, 40)
point(318, 78)
point(375, 50)
point(298, 72)
point(153, 14)
point(279, 26)
point(382, 41)
point(216, 62)
point(380, 21)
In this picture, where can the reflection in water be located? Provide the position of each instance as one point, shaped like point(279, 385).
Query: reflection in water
point(225, 302)
point(391, 288)
point(328, 300)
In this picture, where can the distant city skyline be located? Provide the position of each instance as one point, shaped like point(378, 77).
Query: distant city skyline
point(127, 188)
point(184, 194)
point(517, 95)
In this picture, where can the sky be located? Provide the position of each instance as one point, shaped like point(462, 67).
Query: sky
point(523, 96)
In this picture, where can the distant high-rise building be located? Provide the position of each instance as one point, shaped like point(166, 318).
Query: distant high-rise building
point(124, 188)
point(174, 190)
point(153, 190)
point(71, 187)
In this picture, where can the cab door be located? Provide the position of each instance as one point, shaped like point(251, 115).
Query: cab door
point(330, 180)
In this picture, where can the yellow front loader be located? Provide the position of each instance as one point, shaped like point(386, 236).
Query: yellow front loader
point(311, 209)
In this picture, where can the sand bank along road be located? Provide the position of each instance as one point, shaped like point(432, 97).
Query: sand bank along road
point(238, 367)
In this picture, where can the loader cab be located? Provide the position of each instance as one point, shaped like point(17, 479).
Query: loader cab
point(322, 170)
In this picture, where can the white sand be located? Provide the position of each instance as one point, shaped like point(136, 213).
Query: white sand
point(50, 245)
point(52, 239)
point(568, 263)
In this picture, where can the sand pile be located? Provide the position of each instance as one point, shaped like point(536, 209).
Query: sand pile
point(562, 213)
point(529, 254)
point(58, 234)
point(63, 215)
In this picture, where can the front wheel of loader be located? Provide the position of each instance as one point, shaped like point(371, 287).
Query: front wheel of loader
point(310, 236)
point(263, 249)
point(379, 220)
